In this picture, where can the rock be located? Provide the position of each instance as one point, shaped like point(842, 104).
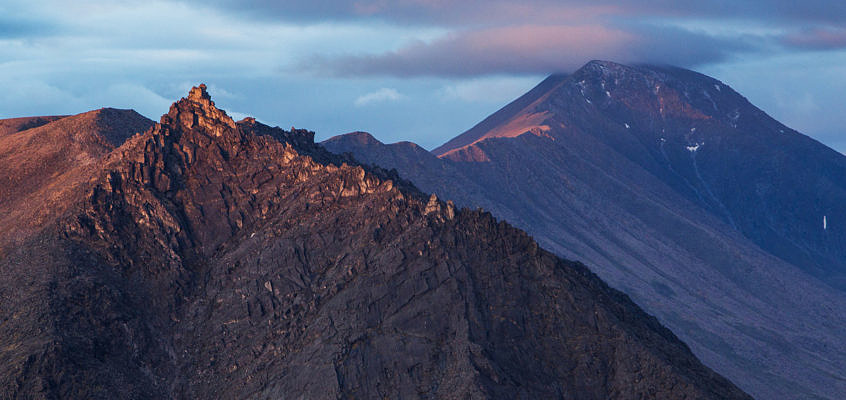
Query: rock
point(433, 205)
point(237, 282)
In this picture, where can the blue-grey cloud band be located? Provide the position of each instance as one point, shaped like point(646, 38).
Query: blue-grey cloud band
point(541, 36)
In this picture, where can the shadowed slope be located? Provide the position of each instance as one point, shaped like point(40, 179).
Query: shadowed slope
point(676, 190)
point(704, 140)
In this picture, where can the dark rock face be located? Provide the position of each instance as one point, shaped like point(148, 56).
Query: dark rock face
point(214, 259)
point(677, 191)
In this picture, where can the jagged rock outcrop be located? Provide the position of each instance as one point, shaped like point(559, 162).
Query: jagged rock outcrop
point(209, 258)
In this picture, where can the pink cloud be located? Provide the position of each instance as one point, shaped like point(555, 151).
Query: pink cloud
point(533, 49)
point(488, 12)
point(819, 38)
point(506, 49)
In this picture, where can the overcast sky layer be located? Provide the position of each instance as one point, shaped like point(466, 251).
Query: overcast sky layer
point(418, 70)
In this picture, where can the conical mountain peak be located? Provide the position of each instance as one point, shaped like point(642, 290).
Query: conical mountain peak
point(597, 71)
point(602, 66)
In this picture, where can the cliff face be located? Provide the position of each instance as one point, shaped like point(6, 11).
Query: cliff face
point(209, 258)
point(677, 191)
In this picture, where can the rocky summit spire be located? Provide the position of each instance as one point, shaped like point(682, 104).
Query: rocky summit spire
point(198, 111)
point(200, 95)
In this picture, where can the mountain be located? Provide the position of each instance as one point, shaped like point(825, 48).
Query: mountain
point(207, 258)
point(14, 125)
point(41, 159)
point(704, 140)
point(676, 190)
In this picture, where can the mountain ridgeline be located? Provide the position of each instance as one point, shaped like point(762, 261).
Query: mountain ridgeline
point(676, 190)
point(204, 258)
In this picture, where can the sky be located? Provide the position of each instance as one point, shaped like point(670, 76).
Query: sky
point(417, 70)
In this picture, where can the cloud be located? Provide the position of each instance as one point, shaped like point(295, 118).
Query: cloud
point(532, 49)
point(517, 49)
point(484, 37)
point(16, 28)
point(497, 90)
point(26, 97)
point(817, 39)
point(408, 38)
point(426, 12)
point(379, 96)
point(473, 12)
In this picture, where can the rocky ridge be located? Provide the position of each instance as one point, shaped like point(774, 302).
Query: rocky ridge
point(209, 258)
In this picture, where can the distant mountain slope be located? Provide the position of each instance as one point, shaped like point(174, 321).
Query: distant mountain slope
point(415, 162)
point(493, 125)
point(13, 125)
point(40, 158)
point(676, 190)
point(211, 259)
point(709, 143)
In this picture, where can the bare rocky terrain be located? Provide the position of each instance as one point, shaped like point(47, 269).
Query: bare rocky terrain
point(44, 160)
point(204, 258)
